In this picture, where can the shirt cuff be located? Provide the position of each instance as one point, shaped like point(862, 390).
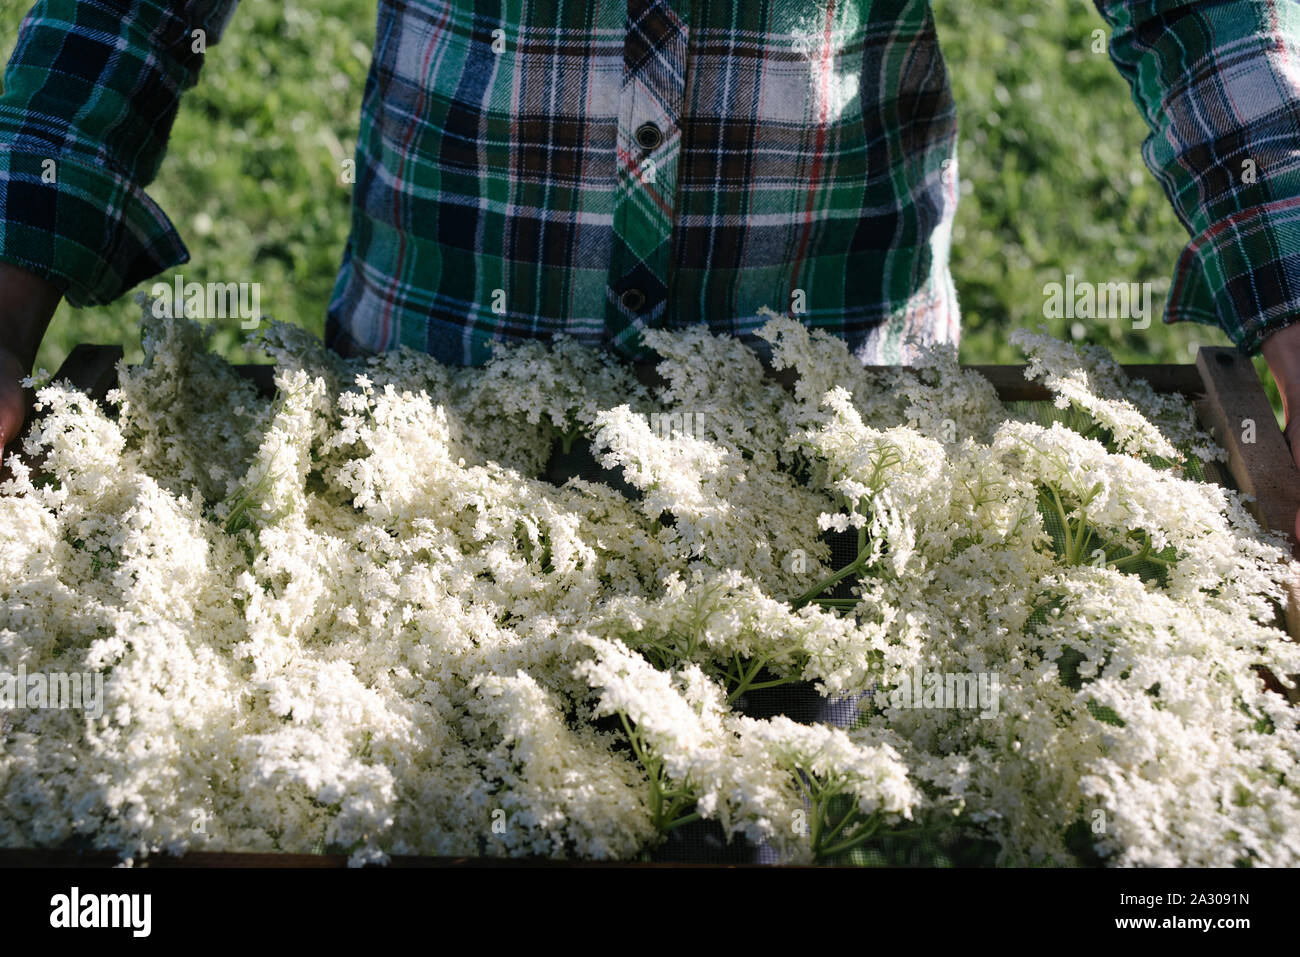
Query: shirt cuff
point(90, 231)
point(1243, 274)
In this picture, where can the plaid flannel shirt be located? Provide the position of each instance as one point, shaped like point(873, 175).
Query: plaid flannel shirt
point(596, 168)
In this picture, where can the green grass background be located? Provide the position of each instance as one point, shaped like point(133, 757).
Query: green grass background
point(1052, 176)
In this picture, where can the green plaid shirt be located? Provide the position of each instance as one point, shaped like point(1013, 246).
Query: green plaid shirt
point(527, 169)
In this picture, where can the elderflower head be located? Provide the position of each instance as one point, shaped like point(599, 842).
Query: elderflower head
point(1141, 421)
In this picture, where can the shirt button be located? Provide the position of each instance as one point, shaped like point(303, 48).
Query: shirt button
point(648, 136)
point(633, 299)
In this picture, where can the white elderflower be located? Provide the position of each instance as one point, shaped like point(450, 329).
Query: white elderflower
point(1141, 421)
point(354, 618)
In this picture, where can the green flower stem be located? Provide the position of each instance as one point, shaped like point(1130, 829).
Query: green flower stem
point(684, 819)
point(666, 804)
point(830, 835)
point(835, 578)
point(868, 828)
point(828, 838)
point(1065, 525)
point(814, 805)
point(774, 683)
point(1087, 540)
point(1134, 557)
point(746, 678)
point(829, 581)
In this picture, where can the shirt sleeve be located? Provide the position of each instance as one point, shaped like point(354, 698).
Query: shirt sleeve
point(1218, 83)
point(89, 97)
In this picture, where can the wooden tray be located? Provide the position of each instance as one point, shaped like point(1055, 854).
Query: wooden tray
point(1222, 385)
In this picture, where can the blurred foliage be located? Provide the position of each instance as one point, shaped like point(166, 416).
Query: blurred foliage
point(1053, 182)
point(1052, 176)
point(252, 179)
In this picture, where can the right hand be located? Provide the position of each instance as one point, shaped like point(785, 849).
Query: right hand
point(26, 304)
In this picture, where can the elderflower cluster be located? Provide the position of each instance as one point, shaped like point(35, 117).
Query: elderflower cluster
point(357, 616)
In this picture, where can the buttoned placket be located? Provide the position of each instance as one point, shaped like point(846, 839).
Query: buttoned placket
point(648, 149)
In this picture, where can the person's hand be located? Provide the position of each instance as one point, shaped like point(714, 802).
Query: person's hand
point(26, 304)
point(13, 403)
point(1282, 352)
